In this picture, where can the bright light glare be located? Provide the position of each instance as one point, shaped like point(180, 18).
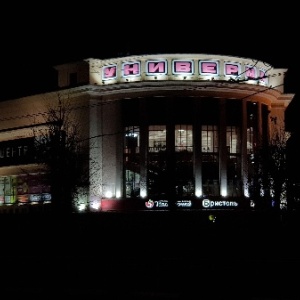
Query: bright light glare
point(95, 205)
point(223, 193)
point(143, 193)
point(81, 207)
point(198, 193)
point(108, 194)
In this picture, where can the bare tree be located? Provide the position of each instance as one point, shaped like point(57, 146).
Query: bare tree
point(268, 177)
point(59, 149)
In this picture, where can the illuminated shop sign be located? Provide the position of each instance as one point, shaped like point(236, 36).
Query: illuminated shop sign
point(131, 69)
point(157, 204)
point(206, 203)
point(209, 68)
point(185, 67)
point(109, 72)
point(165, 204)
point(16, 152)
point(184, 203)
point(156, 67)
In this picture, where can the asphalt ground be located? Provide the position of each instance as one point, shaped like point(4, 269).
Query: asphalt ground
point(151, 255)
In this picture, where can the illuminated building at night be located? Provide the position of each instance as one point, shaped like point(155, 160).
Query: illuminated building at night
point(167, 131)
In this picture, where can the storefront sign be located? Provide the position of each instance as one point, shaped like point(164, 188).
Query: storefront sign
point(157, 204)
point(184, 203)
point(185, 67)
point(206, 203)
point(16, 152)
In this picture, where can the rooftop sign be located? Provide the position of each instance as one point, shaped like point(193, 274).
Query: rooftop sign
point(130, 69)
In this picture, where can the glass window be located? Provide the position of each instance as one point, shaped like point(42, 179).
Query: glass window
point(210, 160)
point(157, 138)
point(250, 142)
point(157, 168)
point(183, 138)
point(132, 161)
point(132, 139)
point(210, 138)
point(233, 139)
point(184, 175)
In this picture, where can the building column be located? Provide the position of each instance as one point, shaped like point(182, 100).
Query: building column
point(259, 121)
point(197, 146)
point(96, 152)
point(223, 149)
point(244, 160)
point(143, 150)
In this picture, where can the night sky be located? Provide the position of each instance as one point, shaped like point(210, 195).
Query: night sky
point(35, 39)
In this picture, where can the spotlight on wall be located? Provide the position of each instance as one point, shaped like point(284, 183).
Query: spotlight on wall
point(143, 193)
point(108, 194)
point(198, 193)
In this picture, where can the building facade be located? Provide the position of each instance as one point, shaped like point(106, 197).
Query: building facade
point(167, 131)
point(293, 159)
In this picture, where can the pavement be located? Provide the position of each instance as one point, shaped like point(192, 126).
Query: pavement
point(151, 255)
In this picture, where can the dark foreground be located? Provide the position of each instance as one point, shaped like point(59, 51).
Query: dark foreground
point(150, 255)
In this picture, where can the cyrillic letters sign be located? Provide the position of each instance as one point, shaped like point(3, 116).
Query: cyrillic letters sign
point(185, 67)
point(16, 152)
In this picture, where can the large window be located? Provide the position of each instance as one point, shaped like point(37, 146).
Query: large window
point(170, 166)
point(233, 139)
point(8, 190)
point(157, 138)
point(24, 188)
point(157, 164)
point(210, 139)
point(250, 140)
point(252, 116)
point(132, 161)
point(183, 138)
point(210, 160)
point(184, 177)
point(233, 144)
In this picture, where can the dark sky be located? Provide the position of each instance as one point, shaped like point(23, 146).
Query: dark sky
point(35, 39)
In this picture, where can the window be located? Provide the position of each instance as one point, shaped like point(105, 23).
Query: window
point(210, 138)
point(157, 138)
point(233, 139)
point(250, 142)
point(183, 138)
point(233, 143)
point(210, 160)
point(132, 161)
point(184, 175)
point(157, 165)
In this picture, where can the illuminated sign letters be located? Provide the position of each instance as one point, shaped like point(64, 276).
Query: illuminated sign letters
point(156, 67)
point(232, 69)
point(206, 203)
point(250, 72)
point(109, 72)
point(131, 69)
point(184, 67)
point(16, 151)
point(208, 67)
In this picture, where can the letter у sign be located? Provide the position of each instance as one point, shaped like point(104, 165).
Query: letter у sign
point(182, 69)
